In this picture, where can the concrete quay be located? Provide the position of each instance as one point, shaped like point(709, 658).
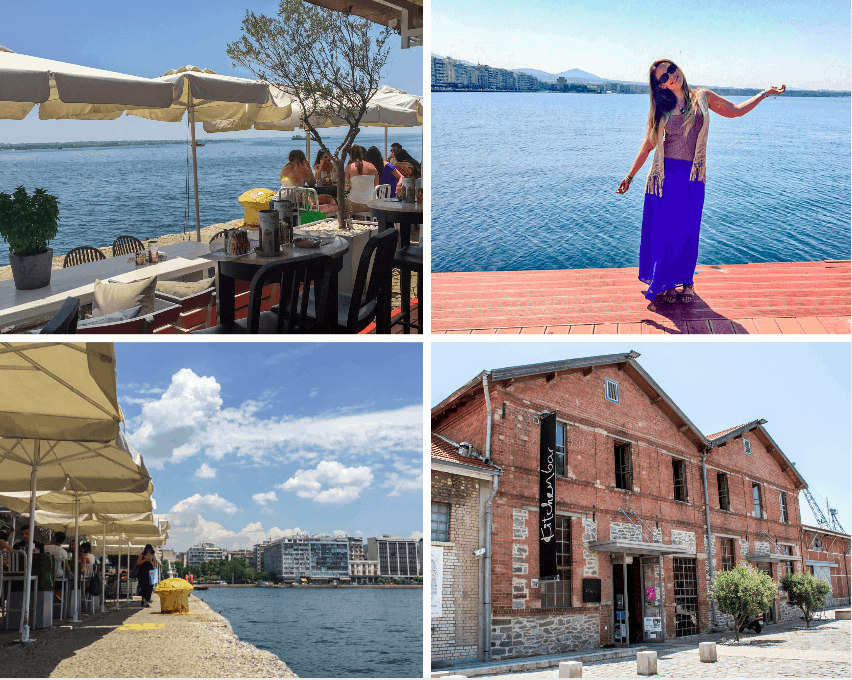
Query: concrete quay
point(132, 642)
point(782, 650)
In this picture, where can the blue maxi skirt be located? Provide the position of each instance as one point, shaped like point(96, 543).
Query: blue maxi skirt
point(668, 252)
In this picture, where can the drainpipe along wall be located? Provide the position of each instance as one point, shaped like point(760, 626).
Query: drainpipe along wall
point(709, 534)
point(488, 515)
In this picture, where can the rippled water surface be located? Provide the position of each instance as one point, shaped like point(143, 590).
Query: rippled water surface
point(330, 632)
point(142, 190)
point(527, 181)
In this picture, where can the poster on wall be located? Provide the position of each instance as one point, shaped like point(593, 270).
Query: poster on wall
point(547, 498)
point(437, 580)
point(653, 624)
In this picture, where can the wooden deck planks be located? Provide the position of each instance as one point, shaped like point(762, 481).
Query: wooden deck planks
point(774, 297)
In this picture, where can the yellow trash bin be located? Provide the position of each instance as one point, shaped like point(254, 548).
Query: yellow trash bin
point(174, 595)
point(252, 201)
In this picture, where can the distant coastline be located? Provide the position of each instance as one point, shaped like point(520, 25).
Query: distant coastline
point(26, 146)
point(315, 585)
point(724, 91)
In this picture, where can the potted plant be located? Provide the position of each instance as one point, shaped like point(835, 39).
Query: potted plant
point(27, 223)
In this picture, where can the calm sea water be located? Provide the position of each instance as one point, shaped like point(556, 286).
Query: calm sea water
point(142, 190)
point(527, 181)
point(330, 632)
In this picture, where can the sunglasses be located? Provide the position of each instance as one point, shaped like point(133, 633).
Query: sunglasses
point(669, 71)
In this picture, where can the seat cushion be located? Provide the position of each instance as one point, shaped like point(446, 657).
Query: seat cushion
point(182, 289)
point(113, 297)
point(112, 317)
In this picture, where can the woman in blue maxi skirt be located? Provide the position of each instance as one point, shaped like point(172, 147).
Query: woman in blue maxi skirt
point(678, 123)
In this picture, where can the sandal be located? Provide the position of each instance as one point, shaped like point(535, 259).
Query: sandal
point(670, 296)
point(688, 294)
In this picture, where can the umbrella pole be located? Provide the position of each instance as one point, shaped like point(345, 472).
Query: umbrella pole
point(118, 579)
point(103, 573)
point(308, 147)
point(386, 142)
point(194, 174)
point(128, 573)
point(76, 603)
point(25, 614)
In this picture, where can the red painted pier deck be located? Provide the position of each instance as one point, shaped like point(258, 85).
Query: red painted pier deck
point(769, 297)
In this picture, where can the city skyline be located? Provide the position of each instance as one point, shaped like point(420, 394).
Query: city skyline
point(248, 442)
point(738, 45)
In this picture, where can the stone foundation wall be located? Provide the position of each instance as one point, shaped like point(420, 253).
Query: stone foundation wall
point(540, 635)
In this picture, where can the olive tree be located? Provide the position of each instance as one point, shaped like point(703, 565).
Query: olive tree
point(806, 592)
point(743, 592)
point(330, 62)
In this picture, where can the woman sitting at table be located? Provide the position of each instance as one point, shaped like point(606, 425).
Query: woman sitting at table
point(406, 164)
point(324, 168)
point(388, 174)
point(361, 178)
point(297, 172)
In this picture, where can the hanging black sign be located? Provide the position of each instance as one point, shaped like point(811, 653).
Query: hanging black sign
point(547, 498)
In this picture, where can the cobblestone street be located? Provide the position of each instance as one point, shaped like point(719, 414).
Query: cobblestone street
point(822, 651)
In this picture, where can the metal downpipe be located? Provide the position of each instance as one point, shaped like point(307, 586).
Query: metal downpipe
point(709, 534)
point(488, 521)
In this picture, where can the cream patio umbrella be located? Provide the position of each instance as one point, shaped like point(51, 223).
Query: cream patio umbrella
point(64, 90)
point(59, 424)
point(205, 95)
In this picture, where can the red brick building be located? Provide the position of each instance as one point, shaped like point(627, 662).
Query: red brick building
point(827, 556)
point(630, 516)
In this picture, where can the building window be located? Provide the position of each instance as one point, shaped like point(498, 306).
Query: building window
point(747, 446)
point(623, 467)
point(612, 390)
point(560, 449)
point(724, 496)
point(782, 501)
point(686, 597)
point(679, 476)
point(787, 566)
point(817, 544)
point(758, 506)
point(728, 562)
point(441, 522)
point(558, 593)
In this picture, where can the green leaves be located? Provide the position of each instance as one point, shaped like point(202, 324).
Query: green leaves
point(27, 222)
point(743, 592)
point(805, 591)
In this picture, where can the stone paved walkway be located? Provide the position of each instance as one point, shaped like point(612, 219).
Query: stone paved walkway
point(785, 652)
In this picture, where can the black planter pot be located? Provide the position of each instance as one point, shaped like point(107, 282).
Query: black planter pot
point(31, 271)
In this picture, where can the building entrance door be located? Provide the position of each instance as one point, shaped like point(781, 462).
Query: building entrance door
point(766, 568)
point(824, 573)
point(652, 600)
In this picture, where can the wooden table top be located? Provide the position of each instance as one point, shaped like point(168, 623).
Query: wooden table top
point(338, 247)
point(395, 206)
point(79, 281)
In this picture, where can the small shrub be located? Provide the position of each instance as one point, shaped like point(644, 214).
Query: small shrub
point(806, 592)
point(743, 592)
point(27, 222)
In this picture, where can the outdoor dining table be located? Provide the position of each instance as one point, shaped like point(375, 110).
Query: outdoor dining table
point(389, 211)
point(330, 189)
point(336, 248)
point(79, 281)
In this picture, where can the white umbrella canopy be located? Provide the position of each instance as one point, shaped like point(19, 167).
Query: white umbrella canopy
point(70, 91)
point(209, 96)
point(67, 502)
point(58, 391)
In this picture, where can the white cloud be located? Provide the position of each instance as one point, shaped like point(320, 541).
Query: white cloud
point(338, 533)
point(409, 477)
point(263, 498)
point(194, 503)
point(199, 530)
point(205, 471)
point(266, 510)
point(416, 535)
point(342, 484)
point(189, 419)
point(314, 392)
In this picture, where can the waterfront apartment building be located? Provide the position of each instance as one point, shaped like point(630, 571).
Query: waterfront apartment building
point(453, 74)
point(397, 557)
point(307, 559)
point(204, 552)
point(364, 572)
point(246, 554)
point(599, 531)
point(356, 549)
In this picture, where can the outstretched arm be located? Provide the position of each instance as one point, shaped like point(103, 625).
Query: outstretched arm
point(730, 110)
point(641, 157)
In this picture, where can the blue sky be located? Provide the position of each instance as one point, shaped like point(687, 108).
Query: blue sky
point(738, 44)
point(800, 388)
point(143, 39)
point(249, 441)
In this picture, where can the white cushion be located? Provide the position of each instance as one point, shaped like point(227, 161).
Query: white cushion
point(112, 317)
point(113, 297)
point(182, 289)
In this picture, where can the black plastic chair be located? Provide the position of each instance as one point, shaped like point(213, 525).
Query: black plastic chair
point(65, 320)
point(81, 255)
point(292, 276)
point(127, 245)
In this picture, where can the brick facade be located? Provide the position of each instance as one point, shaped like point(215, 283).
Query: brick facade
point(587, 497)
point(829, 548)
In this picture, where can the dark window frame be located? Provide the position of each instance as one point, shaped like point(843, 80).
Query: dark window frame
point(607, 383)
point(785, 513)
point(724, 491)
point(757, 502)
point(788, 566)
point(679, 485)
point(624, 467)
point(557, 594)
point(560, 448)
point(446, 524)
point(729, 559)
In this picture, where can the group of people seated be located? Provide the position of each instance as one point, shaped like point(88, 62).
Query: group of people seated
point(366, 170)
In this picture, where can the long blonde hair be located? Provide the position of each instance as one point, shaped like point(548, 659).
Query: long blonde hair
point(663, 103)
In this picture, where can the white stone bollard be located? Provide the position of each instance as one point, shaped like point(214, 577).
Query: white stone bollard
point(570, 669)
point(707, 652)
point(646, 663)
